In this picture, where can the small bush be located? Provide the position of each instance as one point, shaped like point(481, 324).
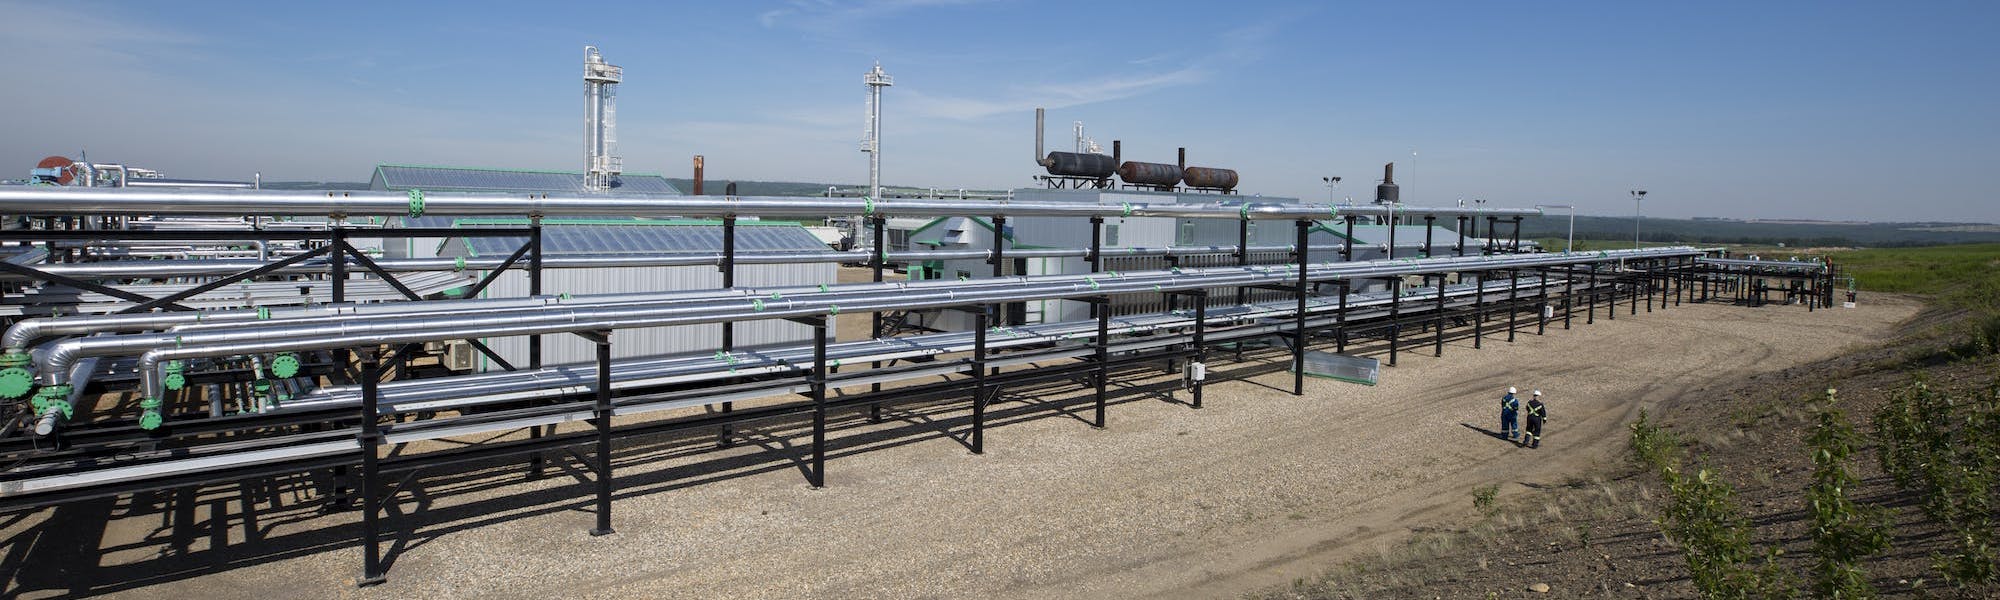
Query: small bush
point(1482, 498)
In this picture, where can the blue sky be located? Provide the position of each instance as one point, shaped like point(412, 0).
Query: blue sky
point(1876, 111)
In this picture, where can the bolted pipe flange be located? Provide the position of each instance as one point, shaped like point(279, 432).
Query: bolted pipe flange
point(285, 366)
point(15, 382)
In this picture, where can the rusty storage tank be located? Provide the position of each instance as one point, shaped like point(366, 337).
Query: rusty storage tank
point(1078, 164)
point(1152, 174)
point(1210, 178)
point(1387, 192)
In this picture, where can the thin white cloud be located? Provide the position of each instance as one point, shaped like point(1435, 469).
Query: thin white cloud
point(1054, 95)
point(828, 15)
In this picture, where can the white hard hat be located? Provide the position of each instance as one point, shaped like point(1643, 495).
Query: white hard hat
point(1510, 389)
point(1538, 392)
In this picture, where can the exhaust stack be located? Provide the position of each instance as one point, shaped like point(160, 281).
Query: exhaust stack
point(1040, 158)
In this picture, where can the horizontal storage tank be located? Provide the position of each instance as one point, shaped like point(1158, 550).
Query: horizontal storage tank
point(1210, 178)
point(1154, 174)
point(1077, 164)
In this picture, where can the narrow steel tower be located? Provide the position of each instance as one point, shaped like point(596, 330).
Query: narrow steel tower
point(872, 140)
point(600, 121)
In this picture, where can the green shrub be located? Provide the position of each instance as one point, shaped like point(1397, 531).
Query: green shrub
point(1843, 532)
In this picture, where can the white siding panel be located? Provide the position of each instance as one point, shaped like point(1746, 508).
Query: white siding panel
point(656, 341)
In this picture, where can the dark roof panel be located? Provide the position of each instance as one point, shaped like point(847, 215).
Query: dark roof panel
point(640, 237)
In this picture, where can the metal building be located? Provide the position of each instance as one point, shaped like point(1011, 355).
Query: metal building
point(612, 237)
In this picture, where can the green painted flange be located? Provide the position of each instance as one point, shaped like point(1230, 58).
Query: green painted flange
point(15, 382)
point(285, 365)
point(15, 358)
point(56, 396)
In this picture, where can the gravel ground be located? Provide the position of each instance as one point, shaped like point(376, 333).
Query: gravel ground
point(1258, 488)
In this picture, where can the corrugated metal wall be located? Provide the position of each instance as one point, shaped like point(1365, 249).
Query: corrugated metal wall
point(569, 349)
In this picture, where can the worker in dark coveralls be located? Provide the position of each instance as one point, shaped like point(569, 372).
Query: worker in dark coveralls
point(1510, 421)
point(1536, 412)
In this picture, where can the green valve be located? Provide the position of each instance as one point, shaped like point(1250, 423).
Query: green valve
point(1128, 209)
point(285, 365)
point(54, 396)
point(1093, 282)
point(176, 375)
point(822, 288)
point(777, 296)
point(150, 419)
point(416, 203)
point(263, 313)
point(867, 205)
point(458, 264)
point(757, 305)
point(832, 309)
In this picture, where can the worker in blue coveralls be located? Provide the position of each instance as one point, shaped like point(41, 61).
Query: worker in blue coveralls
point(1510, 410)
point(1536, 413)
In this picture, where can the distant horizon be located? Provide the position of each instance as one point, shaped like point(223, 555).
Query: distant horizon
point(1777, 111)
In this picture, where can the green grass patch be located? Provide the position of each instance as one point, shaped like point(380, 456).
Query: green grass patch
point(1930, 270)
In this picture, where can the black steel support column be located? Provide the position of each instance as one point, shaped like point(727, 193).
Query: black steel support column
point(1299, 319)
point(1242, 255)
point(1513, 302)
point(1478, 310)
point(370, 438)
point(727, 435)
point(1492, 225)
point(1097, 259)
point(1340, 321)
point(1459, 250)
point(1569, 294)
point(1542, 297)
point(1590, 314)
point(1430, 221)
point(535, 285)
point(1439, 326)
point(980, 324)
point(339, 266)
point(879, 260)
point(339, 282)
point(819, 402)
point(1200, 339)
point(1635, 279)
point(1000, 263)
point(601, 417)
point(1517, 236)
point(535, 461)
point(1395, 322)
point(1347, 243)
point(1652, 279)
point(1103, 356)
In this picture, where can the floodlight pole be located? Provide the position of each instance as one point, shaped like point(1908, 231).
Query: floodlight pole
point(1637, 195)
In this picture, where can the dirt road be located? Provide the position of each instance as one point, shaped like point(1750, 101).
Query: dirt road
point(1257, 488)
